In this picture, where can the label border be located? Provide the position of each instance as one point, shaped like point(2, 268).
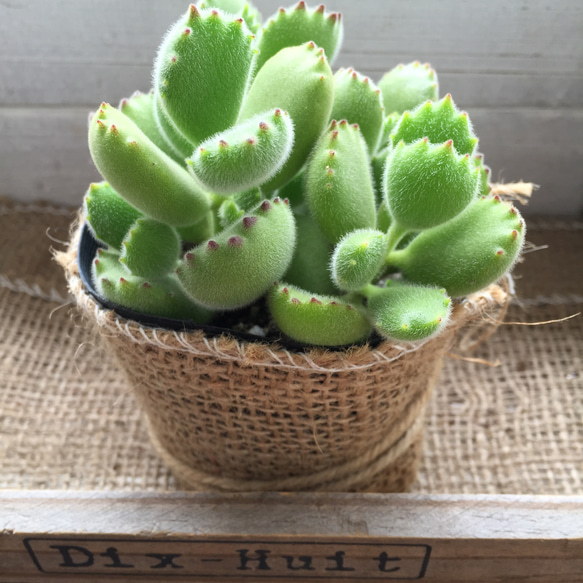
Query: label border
point(422, 572)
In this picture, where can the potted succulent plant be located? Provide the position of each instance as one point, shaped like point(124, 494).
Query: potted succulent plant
point(281, 255)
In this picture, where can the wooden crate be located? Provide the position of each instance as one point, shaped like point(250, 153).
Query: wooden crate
point(55, 536)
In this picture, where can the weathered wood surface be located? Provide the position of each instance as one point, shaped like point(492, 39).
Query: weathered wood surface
point(517, 67)
point(74, 536)
point(517, 54)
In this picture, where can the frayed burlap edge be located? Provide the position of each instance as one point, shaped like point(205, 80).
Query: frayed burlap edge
point(472, 308)
point(355, 472)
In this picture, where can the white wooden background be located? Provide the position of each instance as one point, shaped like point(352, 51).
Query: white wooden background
point(515, 65)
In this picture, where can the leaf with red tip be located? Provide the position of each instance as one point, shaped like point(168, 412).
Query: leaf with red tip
point(406, 86)
point(300, 26)
point(316, 320)
point(202, 90)
point(235, 241)
point(244, 261)
point(229, 165)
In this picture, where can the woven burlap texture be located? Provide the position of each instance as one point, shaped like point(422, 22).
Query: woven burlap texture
point(229, 415)
point(69, 421)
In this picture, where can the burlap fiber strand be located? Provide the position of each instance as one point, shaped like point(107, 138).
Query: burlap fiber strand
point(230, 415)
point(68, 419)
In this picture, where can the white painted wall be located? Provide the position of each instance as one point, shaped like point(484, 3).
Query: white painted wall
point(515, 66)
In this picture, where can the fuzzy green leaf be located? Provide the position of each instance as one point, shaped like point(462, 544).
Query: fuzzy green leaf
point(484, 188)
point(229, 213)
point(438, 122)
point(141, 173)
point(406, 86)
point(298, 25)
point(202, 71)
point(316, 319)
point(407, 312)
point(299, 81)
point(358, 258)
point(358, 100)
point(108, 215)
point(378, 165)
point(309, 267)
point(237, 267)
point(427, 185)
point(467, 253)
point(339, 188)
point(246, 155)
point(150, 249)
point(389, 123)
point(242, 8)
point(140, 109)
point(161, 297)
point(180, 145)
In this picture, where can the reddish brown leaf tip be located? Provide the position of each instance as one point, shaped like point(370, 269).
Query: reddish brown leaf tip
point(212, 245)
point(265, 206)
point(295, 301)
point(146, 285)
point(315, 301)
point(320, 9)
point(248, 222)
point(235, 241)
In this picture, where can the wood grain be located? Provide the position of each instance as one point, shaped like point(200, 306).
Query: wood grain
point(435, 538)
point(516, 67)
point(526, 53)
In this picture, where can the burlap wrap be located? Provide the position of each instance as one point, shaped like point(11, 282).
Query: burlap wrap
point(228, 415)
